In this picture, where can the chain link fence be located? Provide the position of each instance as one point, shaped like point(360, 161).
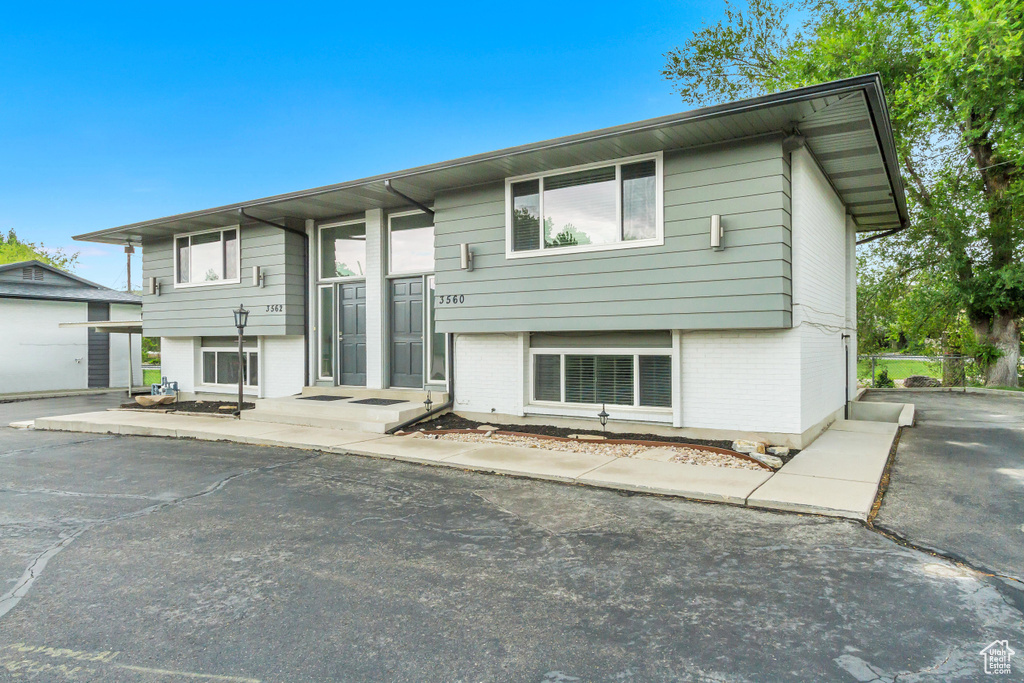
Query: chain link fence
point(893, 370)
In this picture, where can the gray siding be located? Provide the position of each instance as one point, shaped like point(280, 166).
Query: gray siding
point(207, 311)
point(680, 285)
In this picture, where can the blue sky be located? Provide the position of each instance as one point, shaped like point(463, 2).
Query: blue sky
point(125, 113)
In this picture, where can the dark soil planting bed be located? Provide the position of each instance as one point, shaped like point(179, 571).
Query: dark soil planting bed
point(216, 407)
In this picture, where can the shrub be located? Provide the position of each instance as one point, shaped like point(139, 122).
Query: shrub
point(882, 381)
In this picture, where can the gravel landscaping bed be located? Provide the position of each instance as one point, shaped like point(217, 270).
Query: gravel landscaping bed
point(668, 453)
point(453, 421)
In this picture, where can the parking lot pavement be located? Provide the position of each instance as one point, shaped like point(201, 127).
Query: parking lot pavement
point(44, 407)
point(957, 482)
point(240, 563)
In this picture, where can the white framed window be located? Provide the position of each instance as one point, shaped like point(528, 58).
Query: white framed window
point(410, 243)
point(219, 359)
point(631, 378)
point(343, 250)
point(609, 205)
point(325, 331)
point(208, 257)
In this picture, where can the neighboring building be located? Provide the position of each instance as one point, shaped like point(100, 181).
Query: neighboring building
point(37, 354)
point(591, 276)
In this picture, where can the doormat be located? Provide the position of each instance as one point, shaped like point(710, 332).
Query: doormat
point(323, 397)
point(380, 401)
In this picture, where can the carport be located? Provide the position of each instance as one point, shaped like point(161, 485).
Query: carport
point(128, 327)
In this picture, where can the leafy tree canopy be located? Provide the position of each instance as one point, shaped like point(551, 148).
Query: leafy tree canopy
point(953, 75)
point(13, 249)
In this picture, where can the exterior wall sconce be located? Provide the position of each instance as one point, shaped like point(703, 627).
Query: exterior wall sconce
point(152, 286)
point(466, 257)
point(259, 277)
point(716, 232)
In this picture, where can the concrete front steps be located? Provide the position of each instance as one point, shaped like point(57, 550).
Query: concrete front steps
point(344, 414)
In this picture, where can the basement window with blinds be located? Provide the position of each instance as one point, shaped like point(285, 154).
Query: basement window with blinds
point(609, 205)
point(635, 379)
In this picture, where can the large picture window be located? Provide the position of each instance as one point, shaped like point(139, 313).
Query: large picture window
point(599, 206)
point(220, 362)
point(343, 250)
point(411, 243)
point(204, 258)
point(640, 379)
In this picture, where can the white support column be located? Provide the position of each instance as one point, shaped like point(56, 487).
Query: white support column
point(376, 301)
point(312, 325)
point(677, 378)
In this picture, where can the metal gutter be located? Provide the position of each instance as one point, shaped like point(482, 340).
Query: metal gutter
point(870, 84)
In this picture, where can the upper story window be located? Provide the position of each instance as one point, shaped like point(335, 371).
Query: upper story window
point(410, 243)
point(343, 250)
point(205, 258)
point(587, 208)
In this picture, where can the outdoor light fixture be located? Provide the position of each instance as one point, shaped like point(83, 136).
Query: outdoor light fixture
point(716, 232)
point(603, 416)
point(428, 402)
point(241, 318)
point(258, 276)
point(466, 257)
point(152, 286)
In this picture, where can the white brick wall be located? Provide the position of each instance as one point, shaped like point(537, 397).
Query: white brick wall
point(281, 364)
point(820, 281)
point(489, 373)
point(178, 360)
point(745, 380)
point(376, 300)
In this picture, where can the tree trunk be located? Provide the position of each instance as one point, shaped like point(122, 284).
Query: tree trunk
point(1002, 332)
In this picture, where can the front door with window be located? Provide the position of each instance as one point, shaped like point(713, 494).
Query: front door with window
point(407, 332)
point(352, 334)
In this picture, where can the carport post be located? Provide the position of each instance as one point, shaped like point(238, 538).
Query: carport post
point(131, 379)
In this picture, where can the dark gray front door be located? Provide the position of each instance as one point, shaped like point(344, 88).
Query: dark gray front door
point(407, 332)
point(99, 348)
point(352, 334)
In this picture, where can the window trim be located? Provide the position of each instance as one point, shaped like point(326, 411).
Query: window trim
point(562, 352)
point(659, 208)
point(334, 332)
point(258, 350)
point(387, 245)
point(319, 250)
point(211, 283)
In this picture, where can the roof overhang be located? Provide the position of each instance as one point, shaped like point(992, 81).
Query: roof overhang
point(845, 124)
point(109, 326)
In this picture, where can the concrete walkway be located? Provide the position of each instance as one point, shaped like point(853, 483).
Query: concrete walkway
point(837, 476)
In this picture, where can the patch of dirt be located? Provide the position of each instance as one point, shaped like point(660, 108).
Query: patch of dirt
point(453, 421)
point(192, 407)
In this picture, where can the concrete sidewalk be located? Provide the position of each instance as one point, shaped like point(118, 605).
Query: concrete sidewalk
point(824, 479)
point(837, 475)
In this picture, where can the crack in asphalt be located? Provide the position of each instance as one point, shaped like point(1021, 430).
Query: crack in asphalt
point(35, 568)
point(7, 454)
point(79, 494)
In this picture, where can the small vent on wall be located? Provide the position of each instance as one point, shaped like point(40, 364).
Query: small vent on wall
point(32, 273)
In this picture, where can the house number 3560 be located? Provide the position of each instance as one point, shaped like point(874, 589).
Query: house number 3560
point(450, 299)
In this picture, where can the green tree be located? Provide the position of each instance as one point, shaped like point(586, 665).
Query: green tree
point(13, 249)
point(953, 77)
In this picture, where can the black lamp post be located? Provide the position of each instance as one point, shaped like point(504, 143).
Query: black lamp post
point(241, 318)
point(603, 416)
point(428, 402)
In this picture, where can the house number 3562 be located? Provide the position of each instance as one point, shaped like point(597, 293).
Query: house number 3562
point(275, 308)
point(450, 299)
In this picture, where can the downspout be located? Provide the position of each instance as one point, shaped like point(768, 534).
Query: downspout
point(880, 235)
point(419, 205)
point(305, 284)
point(451, 392)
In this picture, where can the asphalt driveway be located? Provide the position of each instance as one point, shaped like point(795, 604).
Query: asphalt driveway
point(957, 482)
point(149, 559)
